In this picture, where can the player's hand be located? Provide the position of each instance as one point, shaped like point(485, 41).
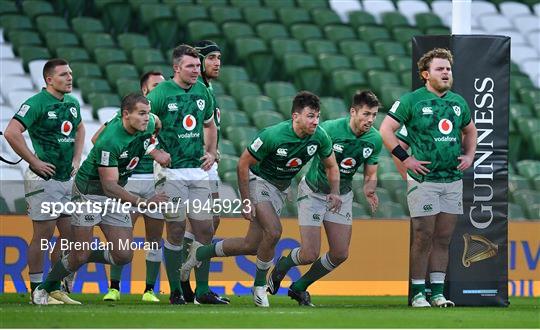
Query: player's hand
point(75, 164)
point(464, 162)
point(218, 156)
point(208, 160)
point(43, 169)
point(333, 202)
point(248, 209)
point(161, 157)
point(373, 200)
point(157, 128)
point(417, 166)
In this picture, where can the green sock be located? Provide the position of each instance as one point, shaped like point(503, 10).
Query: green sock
point(315, 272)
point(437, 288)
point(419, 288)
point(201, 275)
point(173, 262)
point(260, 277)
point(285, 264)
point(206, 252)
point(152, 271)
point(34, 285)
point(57, 273)
point(116, 272)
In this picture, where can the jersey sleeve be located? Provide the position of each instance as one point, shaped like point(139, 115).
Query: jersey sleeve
point(326, 144)
point(373, 159)
point(208, 107)
point(107, 154)
point(28, 113)
point(403, 135)
point(466, 114)
point(156, 102)
point(261, 146)
point(401, 110)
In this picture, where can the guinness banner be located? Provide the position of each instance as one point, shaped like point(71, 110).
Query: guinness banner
point(478, 268)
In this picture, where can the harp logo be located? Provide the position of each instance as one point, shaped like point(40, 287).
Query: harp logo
point(477, 248)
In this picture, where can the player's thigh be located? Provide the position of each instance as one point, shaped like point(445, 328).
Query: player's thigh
point(153, 228)
point(451, 199)
point(422, 198)
point(43, 229)
point(120, 238)
point(310, 242)
point(63, 224)
point(203, 230)
point(268, 219)
point(262, 191)
point(339, 240)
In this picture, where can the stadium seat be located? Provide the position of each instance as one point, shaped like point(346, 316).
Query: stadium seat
point(535, 142)
point(230, 74)
point(227, 103)
point(12, 22)
point(331, 62)
point(57, 39)
point(391, 94)
point(384, 48)
point(231, 178)
point(186, 13)
point(102, 100)
point(368, 62)
point(372, 33)
point(124, 86)
point(116, 16)
point(145, 56)
point(346, 82)
point(393, 19)
point(305, 31)
point(312, 4)
point(210, 3)
point(35, 8)
point(85, 69)
point(227, 163)
point(380, 80)
point(290, 16)
point(316, 47)
point(266, 119)
point(270, 31)
point(353, 47)
point(82, 25)
point(105, 56)
point(240, 89)
point(399, 63)
point(30, 53)
point(24, 38)
point(339, 33)
point(92, 85)
point(245, 3)
point(276, 4)
point(325, 16)
point(257, 57)
point(94, 40)
point(234, 118)
point(527, 199)
point(130, 41)
point(284, 105)
point(517, 182)
point(255, 104)
point(257, 15)
point(278, 89)
point(8, 7)
point(241, 138)
point(332, 108)
point(515, 212)
point(201, 30)
point(280, 47)
point(73, 54)
point(529, 168)
point(117, 71)
point(304, 70)
point(404, 34)
point(224, 14)
point(359, 18)
point(377, 7)
point(409, 8)
point(51, 23)
point(233, 30)
point(425, 21)
point(226, 147)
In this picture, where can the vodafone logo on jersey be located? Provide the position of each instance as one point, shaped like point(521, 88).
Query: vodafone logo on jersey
point(348, 163)
point(218, 115)
point(133, 163)
point(189, 122)
point(66, 128)
point(445, 126)
point(294, 162)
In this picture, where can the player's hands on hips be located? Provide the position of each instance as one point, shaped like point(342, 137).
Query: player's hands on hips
point(464, 162)
point(162, 158)
point(43, 169)
point(248, 209)
point(373, 200)
point(75, 165)
point(208, 160)
point(334, 202)
point(417, 166)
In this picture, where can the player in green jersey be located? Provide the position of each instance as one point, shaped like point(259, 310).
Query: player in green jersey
point(141, 183)
point(355, 143)
point(439, 127)
point(101, 177)
point(184, 106)
point(53, 120)
point(265, 171)
point(210, 55)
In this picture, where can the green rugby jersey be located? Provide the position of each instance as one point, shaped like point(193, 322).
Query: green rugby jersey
point(350, 150)
point(282, 154)
point(215, 107)
point(434, 127)
point(52, 126)
point(403, 135)
point(115, 147)
point(182, 114)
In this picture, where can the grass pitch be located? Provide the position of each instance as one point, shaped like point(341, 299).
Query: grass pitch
point(331, 312)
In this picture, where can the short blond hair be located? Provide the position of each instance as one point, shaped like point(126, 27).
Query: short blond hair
point(426, 59)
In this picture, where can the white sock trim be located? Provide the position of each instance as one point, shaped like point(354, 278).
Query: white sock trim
point(326, 263)
point(36, 277)
point(170, 246)
point(264, 265)
point(416, 281)
point(189, 235)
point(219, 249)
point(437, 277)
point(295, 255)
point(154, 255)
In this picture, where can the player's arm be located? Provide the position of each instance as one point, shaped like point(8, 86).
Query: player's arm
point(14, 135)
point(388, 130)
point(97, 133)
point(470, 136)
point(108, 177)
point(332, 173)
point(370, 186)
point(244, 163)
point(79, 143)
point(210, 140)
